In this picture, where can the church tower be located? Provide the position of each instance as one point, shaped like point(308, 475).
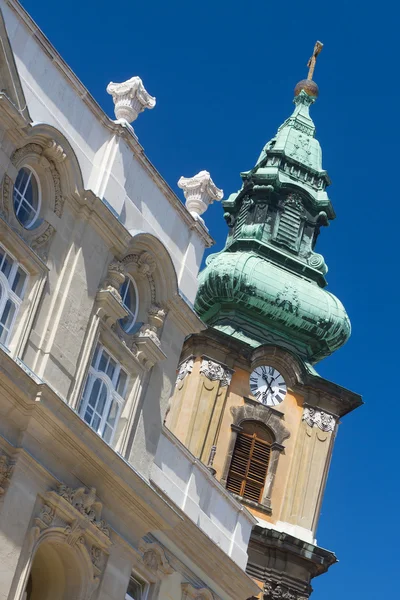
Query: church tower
point(249, 402)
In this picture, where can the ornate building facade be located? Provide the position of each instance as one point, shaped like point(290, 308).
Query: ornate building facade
point(120, 480)
point(98, 272)
point(248, 401)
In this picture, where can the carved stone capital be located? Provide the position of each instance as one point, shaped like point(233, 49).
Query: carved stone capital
point(276, 591)
point(185, 368)
point(200, 191)
point(214, 371)
point(323, 420)
point(130, 98)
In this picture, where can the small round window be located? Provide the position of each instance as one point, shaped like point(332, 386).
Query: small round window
point(130, 301)
point(26, 197)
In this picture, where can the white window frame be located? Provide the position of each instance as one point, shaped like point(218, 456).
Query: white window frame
point(7, 293)
point(133, 315)
point(112, 394)
point(33, 173)
point(140, 581)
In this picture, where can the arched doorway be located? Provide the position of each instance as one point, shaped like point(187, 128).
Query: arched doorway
point(55, 573)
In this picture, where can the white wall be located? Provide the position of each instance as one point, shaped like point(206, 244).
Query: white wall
point(184, 479)
point(132, 187)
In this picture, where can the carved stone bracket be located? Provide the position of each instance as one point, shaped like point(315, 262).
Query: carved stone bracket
point(276, 591)
point(185, 368)
point(130, 98)
point(154, 559)
point(215, 371)
point(323, 420)
point(108, 298)
point(6, 468)
point(191, 593)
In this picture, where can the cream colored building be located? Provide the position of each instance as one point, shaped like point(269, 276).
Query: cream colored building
point(98, 271)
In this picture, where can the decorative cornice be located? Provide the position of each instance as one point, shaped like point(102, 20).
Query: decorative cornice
point(323, 420)
point(130, 98)
point(215, 371)
point(200, 191)
point(185, 368)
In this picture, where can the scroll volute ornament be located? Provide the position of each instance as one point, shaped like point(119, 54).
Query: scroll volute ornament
point(154, 559)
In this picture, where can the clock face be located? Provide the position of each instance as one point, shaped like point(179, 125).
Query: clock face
point(268, 385)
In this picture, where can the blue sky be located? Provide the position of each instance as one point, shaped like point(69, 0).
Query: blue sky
point(223, 74)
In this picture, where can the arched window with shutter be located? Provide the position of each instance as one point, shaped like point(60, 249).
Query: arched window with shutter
point(250, 460)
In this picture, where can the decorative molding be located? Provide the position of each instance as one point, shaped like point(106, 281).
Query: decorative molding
point(144, 264)
point(185, 368)
point(263, 414)
point(281, 592)
point(84, 501)
point(21, 153)
point(6, 468)
point(44, 160)
point(154, 558)
point(191, 593)
point(215, 371)
point(130, 98)
point(323, 420)
point(52, 152)
point(200, 191)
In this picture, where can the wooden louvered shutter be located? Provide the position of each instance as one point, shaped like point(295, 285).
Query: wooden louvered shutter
point(249, 466)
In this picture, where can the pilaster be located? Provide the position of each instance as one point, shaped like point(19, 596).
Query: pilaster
point(307, 477)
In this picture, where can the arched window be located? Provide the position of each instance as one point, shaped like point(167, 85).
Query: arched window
point(250, 459)
point(13, 280)
point(129, 295)
point(26, 197)
point(104, 394)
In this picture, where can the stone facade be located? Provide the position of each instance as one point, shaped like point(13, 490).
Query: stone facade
point(98, 269)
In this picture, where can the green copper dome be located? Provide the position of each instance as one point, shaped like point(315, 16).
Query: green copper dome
point(267, 285)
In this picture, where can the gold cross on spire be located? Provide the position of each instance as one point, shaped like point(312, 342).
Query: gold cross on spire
point(311, 63)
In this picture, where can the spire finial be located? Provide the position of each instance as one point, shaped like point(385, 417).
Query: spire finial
point(308, 85)
point(311, 63)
